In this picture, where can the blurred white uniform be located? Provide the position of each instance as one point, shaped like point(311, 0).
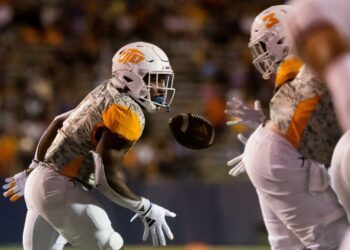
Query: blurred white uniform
point(312, 14)
point(340, 178)
point(55, 189)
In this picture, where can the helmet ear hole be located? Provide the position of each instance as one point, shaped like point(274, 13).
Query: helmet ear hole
point(280, 41)
point(146, 77)
point(127, 79)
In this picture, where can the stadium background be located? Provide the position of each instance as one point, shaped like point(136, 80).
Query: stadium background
point(53, 52)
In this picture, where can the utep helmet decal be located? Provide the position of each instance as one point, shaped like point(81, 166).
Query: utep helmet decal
point(131, 56)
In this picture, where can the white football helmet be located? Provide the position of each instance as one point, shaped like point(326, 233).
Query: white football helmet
point(143, 71)
point(268, 43)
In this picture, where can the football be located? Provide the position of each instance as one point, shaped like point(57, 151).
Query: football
point(192, 131)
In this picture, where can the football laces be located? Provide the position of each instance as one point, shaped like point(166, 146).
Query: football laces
point(200, 118)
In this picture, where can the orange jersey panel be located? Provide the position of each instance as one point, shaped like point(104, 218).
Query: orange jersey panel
point(122, 121)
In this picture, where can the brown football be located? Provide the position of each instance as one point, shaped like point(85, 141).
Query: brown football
point(192, 130)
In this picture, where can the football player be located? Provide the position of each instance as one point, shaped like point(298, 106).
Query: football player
point(281, 157)
point(109, 118)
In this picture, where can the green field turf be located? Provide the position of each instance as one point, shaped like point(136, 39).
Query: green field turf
point(189, 247)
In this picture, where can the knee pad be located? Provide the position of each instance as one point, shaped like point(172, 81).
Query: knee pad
point(115, 242)
point(104, 233)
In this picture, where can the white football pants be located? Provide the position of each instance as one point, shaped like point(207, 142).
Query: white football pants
point(340, 178)
point(299, 208)
point(340, 171)
point(69, 210)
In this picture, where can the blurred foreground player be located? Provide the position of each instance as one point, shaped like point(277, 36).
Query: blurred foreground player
point(322, 35)
point(320, 30)
point(299, 208)
point(109, 118)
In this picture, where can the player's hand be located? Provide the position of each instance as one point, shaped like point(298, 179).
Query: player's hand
point(246, 116)
point(154, 222)
point(15, 186)
point(237, 163)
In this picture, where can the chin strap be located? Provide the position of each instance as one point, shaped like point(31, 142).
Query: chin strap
point(149, 106)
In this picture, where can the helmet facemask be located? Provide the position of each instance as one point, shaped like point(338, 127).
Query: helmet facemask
point(160, 89)
point(265, 60)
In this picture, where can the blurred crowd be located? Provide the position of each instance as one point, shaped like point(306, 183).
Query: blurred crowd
point(53, 52)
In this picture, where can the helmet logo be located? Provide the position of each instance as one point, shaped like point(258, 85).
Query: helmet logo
point(131, 56)
point(270, 20)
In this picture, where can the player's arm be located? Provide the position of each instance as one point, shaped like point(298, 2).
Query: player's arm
point(47, 138)
point(113, 187)
point(14, 187)
point(107, 142)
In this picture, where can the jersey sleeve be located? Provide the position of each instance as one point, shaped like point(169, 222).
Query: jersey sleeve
point(122, 121)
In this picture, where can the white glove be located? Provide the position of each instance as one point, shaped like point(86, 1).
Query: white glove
point(15, 184)
point(154, 220)
point(247, 116)
point(237, 162)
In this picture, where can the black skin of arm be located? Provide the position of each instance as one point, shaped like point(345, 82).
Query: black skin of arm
point(48, 137)
point(109, 141)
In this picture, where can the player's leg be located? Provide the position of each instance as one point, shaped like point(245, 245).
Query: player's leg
point(71, 210)
point(282, 179)
point(38, 234)
point(88, 228)
point(340, 171)
point(280, 237)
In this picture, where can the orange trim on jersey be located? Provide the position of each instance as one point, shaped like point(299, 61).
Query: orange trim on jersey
point(93, 133)
point(122, 121)
point(300, 119)
point(72, 169)
point(287, 71)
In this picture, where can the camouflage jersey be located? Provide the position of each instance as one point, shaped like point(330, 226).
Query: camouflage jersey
point(105, 106)
point(302, 110)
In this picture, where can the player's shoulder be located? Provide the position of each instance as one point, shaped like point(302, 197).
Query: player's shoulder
point(100, 89)
point(309, 81)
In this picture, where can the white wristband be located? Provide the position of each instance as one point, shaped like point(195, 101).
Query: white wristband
point(143, 206)
point(34, 164)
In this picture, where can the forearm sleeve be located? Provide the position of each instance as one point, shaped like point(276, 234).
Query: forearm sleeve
point(102, 185)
